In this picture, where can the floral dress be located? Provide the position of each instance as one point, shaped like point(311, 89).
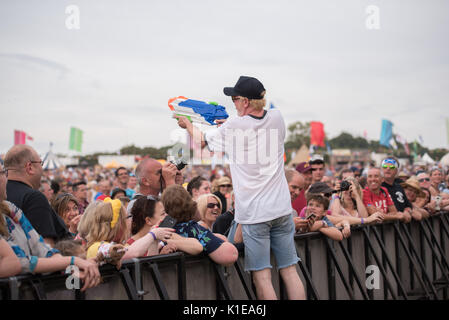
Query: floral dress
point(191, 229)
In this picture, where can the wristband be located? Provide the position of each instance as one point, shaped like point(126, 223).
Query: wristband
point(336, 196)
point(362, 221)
point(72, 261)
point(152, 233)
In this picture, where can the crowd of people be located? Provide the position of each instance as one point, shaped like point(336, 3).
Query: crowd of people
point(86, 217)
point(90, 216)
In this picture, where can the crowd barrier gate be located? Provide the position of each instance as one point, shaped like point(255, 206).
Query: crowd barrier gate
point(377, 262)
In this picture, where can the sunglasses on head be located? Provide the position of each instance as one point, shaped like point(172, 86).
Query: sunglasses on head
point(213, 205)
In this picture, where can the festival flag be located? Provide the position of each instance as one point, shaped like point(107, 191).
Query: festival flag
point(76, 139)
point(421, 140)
point(402, 140)
point(387, 133)
point(20, 137)
point(317, 133)
point(415, 151)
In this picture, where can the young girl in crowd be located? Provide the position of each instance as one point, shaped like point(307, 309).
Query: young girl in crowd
point(147, 214)
point(179, 204)
point(107, 234)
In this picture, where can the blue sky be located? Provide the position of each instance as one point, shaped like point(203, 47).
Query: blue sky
point(113, 76)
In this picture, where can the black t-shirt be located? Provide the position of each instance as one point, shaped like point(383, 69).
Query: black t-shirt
point(397, 195)
point(38, 211)
point(223, 223)
point(223, 201)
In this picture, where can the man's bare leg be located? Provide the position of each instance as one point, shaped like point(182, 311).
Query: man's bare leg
point(293, 283)
point(264, 287)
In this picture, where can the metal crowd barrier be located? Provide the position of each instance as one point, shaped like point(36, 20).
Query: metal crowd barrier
point(378, 262)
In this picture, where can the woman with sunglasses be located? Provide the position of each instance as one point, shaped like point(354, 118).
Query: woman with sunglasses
point(209, 208)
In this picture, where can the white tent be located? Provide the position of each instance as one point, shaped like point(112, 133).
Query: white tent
point(427, 159)
point(445, 160)
point(51, 161)
point(302, 155)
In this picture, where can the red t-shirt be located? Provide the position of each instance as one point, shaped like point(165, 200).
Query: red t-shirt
point(380, 201)
point(300, 202)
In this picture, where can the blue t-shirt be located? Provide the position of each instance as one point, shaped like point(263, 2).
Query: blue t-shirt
point(191, 229)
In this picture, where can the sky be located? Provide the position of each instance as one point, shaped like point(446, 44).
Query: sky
point(338, 62)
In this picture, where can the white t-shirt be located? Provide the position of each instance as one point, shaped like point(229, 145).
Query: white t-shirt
point(255, 148)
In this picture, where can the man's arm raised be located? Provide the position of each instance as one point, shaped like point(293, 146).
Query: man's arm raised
point(194, 132)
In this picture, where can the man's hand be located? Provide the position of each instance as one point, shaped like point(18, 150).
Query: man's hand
point(169, 171)
point(89, 272)
point(219, 122)
point(183, 122)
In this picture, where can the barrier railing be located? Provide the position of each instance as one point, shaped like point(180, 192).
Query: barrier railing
point(386, 261)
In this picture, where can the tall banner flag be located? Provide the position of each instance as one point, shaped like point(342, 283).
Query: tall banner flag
point(20, 137)
point(387, 133)
point(76, 139)
point(402, 140)
point(317, 133)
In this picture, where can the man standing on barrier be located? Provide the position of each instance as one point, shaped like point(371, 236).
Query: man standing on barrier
point(262, 198)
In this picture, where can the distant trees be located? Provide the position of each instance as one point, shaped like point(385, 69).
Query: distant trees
point(299, 134)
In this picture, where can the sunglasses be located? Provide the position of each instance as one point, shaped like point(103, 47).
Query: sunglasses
point(40, 161)
point(213, 205)
point(424, 179)
point(234, 99)
point(226, 185)
point(389, 166)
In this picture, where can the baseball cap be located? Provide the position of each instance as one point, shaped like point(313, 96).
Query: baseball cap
point(303, 167)
point(320, 187)
point(316, 159)
point(247, 87)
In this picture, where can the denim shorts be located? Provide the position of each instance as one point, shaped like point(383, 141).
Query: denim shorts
point(277, 234)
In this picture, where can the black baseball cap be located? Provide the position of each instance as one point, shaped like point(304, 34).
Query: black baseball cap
point(247, 87)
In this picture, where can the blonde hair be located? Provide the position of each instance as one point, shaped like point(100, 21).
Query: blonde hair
point(258, 104)
point(202, 202)
point(99, 217)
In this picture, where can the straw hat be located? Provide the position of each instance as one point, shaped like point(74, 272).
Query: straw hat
point(414, 184)
point(223, 180)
